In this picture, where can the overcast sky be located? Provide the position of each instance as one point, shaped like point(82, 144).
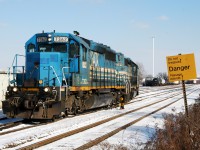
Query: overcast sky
point(126, 26)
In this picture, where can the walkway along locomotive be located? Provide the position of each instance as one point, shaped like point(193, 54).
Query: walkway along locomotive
point(65, 74)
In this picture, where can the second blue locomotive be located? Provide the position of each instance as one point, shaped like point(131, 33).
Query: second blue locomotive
point(65, 74)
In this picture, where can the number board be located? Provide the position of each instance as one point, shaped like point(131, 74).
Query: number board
point(61, 39)
point(41, 39)
point(181, 67)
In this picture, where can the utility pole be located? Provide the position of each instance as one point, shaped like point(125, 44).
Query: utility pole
point(153, 37)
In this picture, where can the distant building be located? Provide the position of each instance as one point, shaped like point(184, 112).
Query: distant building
point(3, 85)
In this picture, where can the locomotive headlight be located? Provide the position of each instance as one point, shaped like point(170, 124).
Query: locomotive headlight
point(49, 39)
point(46, 89)
point(49, 35)
point(15, 89)
point(40, 81)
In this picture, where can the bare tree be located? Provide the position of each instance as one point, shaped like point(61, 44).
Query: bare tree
point(142, 72)
point(163, 75)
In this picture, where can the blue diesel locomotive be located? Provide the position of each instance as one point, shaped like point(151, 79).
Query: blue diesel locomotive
point(67, 74)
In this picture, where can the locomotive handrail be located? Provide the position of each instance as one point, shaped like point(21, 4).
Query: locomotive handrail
point(57, 79)
point(55, 74)
point(14, 67)
point(8, 74)
point(15, 59)
point(64, 75)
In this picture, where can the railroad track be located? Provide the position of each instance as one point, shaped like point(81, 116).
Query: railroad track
point(105, 136)
point(3, 118)
point(6, 123)
point(14, 124)
point(102, 138)
point(9, 125)
point(147, 89)
point(141, 98)
point(18, 129)
point(161, 88)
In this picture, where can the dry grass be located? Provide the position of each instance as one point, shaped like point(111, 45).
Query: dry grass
point(108, 146)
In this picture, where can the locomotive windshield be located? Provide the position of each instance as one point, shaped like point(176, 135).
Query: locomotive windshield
point(44, 48)
point(60, 47)
point(52, 48)
point(31, 48)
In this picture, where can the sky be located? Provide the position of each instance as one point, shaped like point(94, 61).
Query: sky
point(126, 26)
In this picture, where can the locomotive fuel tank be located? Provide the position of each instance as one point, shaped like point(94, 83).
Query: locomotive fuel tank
point(99, 100)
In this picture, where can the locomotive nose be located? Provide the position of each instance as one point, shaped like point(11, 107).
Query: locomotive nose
point(30, 101)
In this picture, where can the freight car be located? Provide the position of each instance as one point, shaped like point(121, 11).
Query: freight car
point(67, 74)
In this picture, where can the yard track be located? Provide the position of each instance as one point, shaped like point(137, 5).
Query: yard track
point(9, 125)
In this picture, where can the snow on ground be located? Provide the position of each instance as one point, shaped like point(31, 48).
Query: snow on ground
point(144, 129)
point(139, 132)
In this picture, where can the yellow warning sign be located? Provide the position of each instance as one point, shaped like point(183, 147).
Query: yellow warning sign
point(181, 67)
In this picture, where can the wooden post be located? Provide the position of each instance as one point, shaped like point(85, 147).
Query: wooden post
point(185, 98)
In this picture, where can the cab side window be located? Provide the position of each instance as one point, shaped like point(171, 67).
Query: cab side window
point(73, 49)
point(31, 48)
point(84, 53)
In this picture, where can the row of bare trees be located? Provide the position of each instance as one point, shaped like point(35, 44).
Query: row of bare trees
point(142, 73)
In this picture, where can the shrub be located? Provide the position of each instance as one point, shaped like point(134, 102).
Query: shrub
point(179, 133)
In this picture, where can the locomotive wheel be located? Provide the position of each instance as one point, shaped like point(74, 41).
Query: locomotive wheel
point(66, 112)
point(135, 93)
point(74, 108)
point(63, 114)
point(54, 118)
point(112, 104)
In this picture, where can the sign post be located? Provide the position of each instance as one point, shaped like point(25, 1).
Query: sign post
point(185, 98)
point(181, 68)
